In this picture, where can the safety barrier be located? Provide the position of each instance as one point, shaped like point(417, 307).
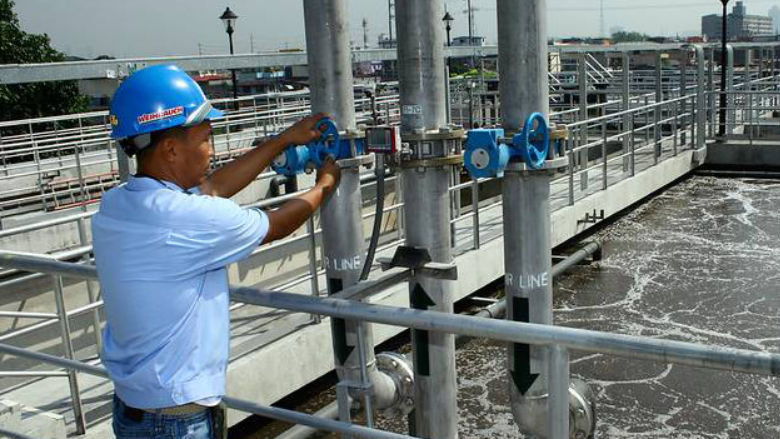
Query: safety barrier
point(559, 340)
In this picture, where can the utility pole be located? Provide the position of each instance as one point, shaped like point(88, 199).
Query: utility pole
point(471, 22)
point(365, 33)
point(602, 24)
point(390, 17)
point(251, 43)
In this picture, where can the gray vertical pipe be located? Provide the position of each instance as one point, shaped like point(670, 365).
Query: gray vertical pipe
point(427, 210)
point(330, 60)
point(331, 81)
point(524, 81)
point(527, 252)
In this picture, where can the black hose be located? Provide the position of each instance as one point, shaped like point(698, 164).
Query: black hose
point(380, 207)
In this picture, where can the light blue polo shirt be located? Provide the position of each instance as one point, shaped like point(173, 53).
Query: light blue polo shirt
point(161, 255)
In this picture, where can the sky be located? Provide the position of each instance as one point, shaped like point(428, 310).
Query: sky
point(142, 28)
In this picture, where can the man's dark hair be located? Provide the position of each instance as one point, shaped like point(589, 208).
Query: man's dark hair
point(155, 138)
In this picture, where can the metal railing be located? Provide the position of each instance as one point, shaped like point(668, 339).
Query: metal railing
point(559, 340)
point(603, 151)
point(68, 161)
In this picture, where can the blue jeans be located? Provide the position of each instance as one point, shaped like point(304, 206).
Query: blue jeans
point(158, 426)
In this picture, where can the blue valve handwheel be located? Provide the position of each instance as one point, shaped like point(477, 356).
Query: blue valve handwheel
point(329, 143)
point(534, 141)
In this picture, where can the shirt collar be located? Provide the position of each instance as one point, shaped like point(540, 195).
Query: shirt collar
point(145, 183)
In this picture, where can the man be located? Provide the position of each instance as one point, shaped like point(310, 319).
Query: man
point(162, 241)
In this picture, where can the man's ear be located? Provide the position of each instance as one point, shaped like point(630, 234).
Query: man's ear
point(168, 148)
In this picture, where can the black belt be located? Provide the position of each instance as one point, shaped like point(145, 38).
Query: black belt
point(137, 415)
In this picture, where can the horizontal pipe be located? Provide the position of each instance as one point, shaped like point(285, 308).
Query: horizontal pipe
point(294, 417)
point(56, 361)
point(32, 373)
point(577, 339)
point(28, 315)
point(46, 265)
point(628, 346)
point(330, 411)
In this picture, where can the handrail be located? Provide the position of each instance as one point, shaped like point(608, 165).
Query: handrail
point(690, 354)
point(234, 403)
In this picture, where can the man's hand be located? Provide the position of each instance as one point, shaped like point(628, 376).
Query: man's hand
point(303, 131)
point(329, 175)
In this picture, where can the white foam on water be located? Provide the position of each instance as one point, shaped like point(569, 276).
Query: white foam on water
point(699, 263)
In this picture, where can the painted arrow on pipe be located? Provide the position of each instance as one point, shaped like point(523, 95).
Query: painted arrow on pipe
point(521, 367)
point(422, 362)
point(342, 349)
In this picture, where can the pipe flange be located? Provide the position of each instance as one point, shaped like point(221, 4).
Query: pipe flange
point(434, 162)
point(455, 133)
point(582, 410)
point(399, 369)
point(531, 412)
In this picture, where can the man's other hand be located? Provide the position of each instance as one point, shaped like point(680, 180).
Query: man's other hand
point(329, 175)
point(303, 131)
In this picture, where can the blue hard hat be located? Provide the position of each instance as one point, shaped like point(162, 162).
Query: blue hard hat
point(157, 98)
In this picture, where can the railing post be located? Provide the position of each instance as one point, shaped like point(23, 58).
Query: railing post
point(571, 168)
point(710, 94)
point(475, 211)
point(749, 126)
point(675, 115)
point(657, 113)
point(315, 283)
point(700, 138)
point(582, 155)
point(731, 111)
point(626, 90)
point(90, 290)
point(558, 404)
point(62, 315)
point(604, 153)
point(79, 171)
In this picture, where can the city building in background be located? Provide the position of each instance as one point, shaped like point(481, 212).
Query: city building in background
point(739, 24)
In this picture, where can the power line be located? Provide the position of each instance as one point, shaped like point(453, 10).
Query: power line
point(602, 33)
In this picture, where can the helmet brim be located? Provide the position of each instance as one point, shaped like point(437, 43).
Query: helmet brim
point(214, 114)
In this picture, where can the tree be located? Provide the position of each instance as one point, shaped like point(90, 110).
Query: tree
point(628, 37)
point(23, 101)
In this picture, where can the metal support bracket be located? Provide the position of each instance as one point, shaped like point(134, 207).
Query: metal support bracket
point(593, 218)
point(419, 261)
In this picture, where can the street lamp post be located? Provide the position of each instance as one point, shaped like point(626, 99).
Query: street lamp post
point(229, 19)
point(448, 19)
point(723, 56)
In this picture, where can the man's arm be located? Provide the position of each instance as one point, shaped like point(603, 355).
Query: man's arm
point(236, 175)
point(288, 218)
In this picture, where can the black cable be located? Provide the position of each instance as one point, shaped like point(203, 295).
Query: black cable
point(380, 207)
